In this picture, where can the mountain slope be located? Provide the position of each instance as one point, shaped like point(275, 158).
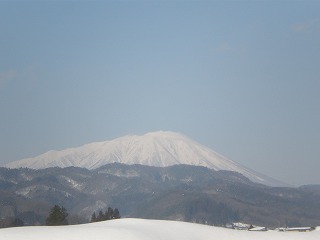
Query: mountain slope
point(180, 192)
point(160, 149)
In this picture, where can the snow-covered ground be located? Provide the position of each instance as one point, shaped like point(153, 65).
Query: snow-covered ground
point(140, 229)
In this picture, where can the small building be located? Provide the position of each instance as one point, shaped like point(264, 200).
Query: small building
point(241, 226)
point(282, 229)
point(258, 229)
point(300, 229)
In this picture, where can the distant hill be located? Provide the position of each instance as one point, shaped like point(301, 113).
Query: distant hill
point(180, 192)
point(159, 149)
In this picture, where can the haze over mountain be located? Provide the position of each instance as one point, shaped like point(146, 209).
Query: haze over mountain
point(159, 149)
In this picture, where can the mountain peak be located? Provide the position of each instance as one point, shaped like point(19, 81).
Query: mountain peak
point(160, 149)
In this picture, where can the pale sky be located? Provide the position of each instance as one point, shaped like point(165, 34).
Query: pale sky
point(241, 77)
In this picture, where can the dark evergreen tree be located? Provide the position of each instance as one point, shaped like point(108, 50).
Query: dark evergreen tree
point(116, 214)
point(109, 214)
point(100, 216)
point(94, 217)
point(57, 216)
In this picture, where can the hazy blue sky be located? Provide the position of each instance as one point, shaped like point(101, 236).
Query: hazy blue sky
point(241, 77)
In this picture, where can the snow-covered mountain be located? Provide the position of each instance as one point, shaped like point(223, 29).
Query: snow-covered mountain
point(160, 149)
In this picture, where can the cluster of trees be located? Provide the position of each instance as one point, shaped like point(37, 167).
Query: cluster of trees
point(208, 211)
point(11, 222)
point(57, 216)
point(108, 215)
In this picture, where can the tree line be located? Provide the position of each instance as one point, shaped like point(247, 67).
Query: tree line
point(59, 216)
point(109, 214)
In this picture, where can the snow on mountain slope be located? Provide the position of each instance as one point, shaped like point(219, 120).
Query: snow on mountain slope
point(132, 229)
point(158, 149)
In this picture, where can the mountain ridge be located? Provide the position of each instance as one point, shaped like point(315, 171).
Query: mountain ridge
point(180, 192)
point(160, 149)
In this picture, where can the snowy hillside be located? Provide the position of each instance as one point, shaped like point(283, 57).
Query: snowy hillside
point(131, 229)
point(158, 149)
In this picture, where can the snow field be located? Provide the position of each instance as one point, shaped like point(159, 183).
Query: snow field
point(141, 229)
